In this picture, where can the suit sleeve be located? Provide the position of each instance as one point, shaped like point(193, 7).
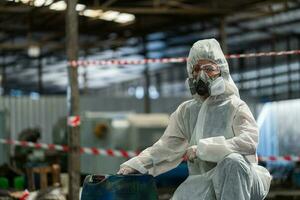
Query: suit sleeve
point(166, 153)
point(245, 142)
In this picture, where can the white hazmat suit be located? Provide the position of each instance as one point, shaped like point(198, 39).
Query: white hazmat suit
point(225, 135)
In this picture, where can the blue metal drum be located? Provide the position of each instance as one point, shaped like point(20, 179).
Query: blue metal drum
point(119, 187)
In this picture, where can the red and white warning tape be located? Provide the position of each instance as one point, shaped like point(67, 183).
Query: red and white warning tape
point(280, 158)
point(115, 153)
point(74, 121)
point(65, 148)
point(261, 54)
point(75, 63)
point(126, 62)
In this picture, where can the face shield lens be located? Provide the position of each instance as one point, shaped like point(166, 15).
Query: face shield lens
point(210, 70)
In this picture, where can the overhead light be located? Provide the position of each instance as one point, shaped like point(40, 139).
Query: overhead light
point(91, 13)
point(80, 7)
point(109, 15)
point(34, 51)
point(48, 2)
point(25, 1)
point(39, 3)
point(125, 18)
point(60, 5)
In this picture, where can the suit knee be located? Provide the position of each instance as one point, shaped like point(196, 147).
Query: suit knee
point(234, 161)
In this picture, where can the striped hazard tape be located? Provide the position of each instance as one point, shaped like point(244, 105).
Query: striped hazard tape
point(65, 148)
point(116, 153)
point(74, 121)
point(265, 54)
point(75, 63)
point(279, 158)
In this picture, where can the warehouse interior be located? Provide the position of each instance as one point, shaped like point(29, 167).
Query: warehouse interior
point(99, 79)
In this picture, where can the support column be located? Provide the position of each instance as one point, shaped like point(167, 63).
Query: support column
point(147, 101)
point(40, 75)
point(3, 79)
point(73, 100)
point(85, 75)
point(223, 36)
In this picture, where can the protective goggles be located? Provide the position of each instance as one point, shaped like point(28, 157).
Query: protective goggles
point(207, 68)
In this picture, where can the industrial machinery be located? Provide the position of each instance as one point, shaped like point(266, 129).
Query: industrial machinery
point(127, 131)
point(99, 130)
point(122, 130)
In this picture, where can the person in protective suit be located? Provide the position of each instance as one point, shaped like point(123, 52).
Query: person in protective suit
point(215, 130)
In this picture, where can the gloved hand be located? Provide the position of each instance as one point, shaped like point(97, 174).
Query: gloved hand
point(191, 153)
point(127, 170)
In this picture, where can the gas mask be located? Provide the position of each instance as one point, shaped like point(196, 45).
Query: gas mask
point(203, 85)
